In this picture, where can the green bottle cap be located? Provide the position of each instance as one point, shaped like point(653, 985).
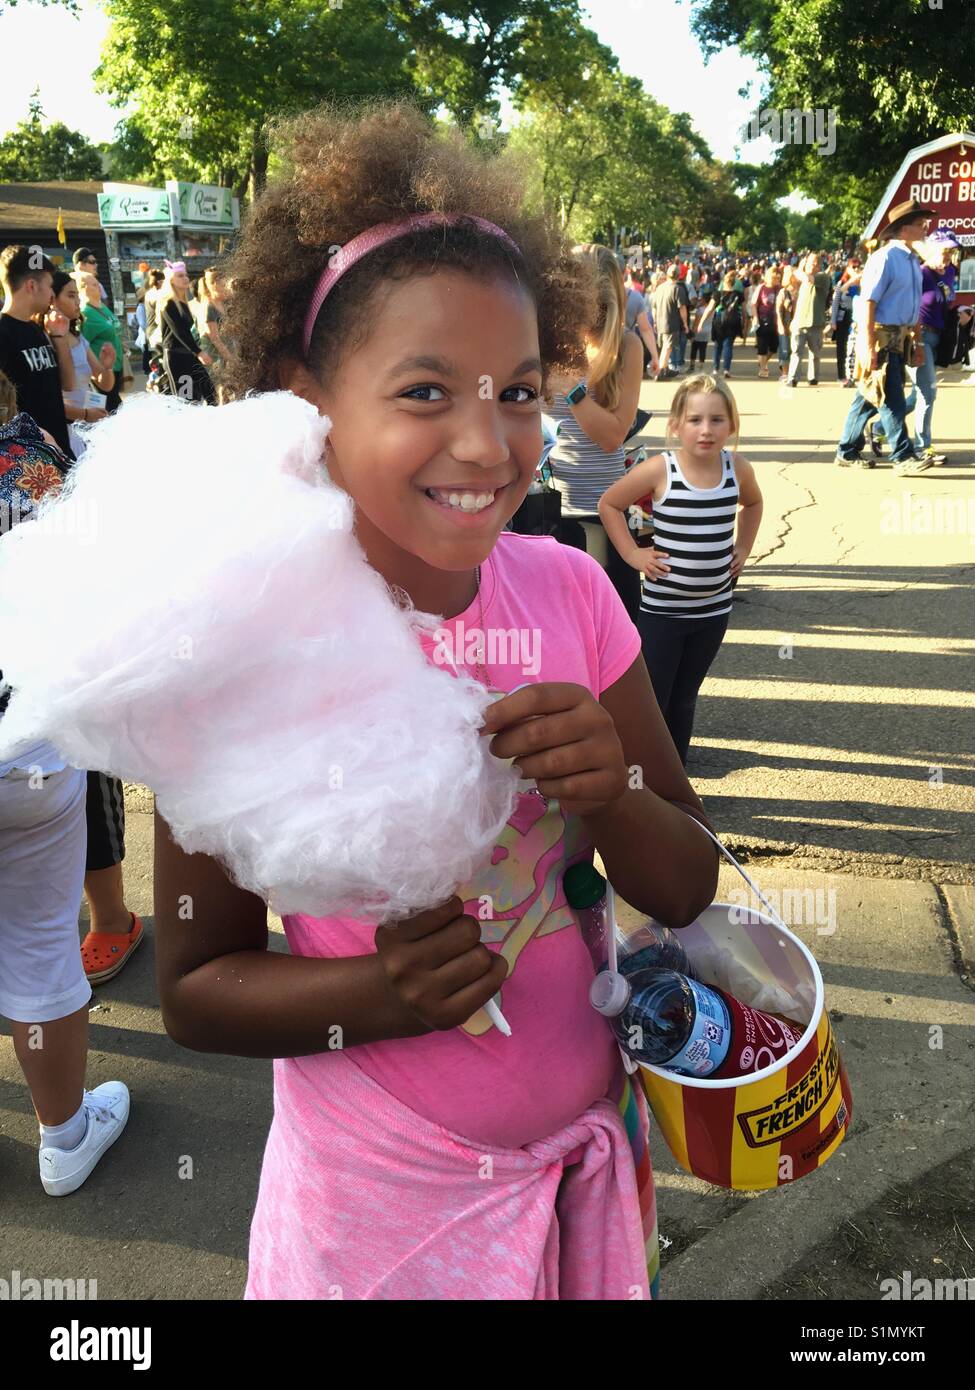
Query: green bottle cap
point(584, 885)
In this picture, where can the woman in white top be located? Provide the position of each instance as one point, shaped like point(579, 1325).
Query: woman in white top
point(89, 370)
point(595, 417)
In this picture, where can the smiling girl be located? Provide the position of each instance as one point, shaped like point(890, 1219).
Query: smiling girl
point(416, 1152)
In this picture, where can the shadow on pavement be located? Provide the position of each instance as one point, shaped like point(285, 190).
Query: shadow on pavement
point(841, 722)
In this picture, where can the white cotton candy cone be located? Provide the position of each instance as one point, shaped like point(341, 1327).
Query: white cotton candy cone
point(195, 613)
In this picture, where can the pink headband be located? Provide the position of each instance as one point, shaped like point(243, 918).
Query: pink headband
point(175, 267)
point(345, 257)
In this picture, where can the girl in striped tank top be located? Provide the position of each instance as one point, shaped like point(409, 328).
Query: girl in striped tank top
point(706, 512)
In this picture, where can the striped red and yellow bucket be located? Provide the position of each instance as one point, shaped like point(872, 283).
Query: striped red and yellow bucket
point(772, 1126)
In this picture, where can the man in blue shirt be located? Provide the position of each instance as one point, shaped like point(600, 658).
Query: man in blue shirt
point(889, 329)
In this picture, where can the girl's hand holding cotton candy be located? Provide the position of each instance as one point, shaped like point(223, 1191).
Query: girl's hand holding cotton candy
point(435, 964)
point(195, 613)
point(563, 739)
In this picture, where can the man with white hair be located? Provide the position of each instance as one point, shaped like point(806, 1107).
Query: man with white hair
point(809, 319)
point(670, 318)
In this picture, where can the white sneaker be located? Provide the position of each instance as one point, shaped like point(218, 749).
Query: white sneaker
point(106, 1111)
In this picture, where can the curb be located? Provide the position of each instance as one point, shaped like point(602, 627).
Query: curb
point(766, 1239)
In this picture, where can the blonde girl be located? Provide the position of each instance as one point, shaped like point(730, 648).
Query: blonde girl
point(595, 413)
point(706, 512)
point(211, 302)
point(185, 373)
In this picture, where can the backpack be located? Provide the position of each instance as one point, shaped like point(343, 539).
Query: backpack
point(727, 321)
point(30, 469)
point(947, 350)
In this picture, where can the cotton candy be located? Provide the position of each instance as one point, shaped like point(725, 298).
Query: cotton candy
point(195, 613)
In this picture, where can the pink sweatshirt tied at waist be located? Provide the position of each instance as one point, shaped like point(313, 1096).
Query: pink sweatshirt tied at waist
point(362, 1198)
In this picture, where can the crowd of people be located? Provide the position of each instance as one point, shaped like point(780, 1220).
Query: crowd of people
point(795, 303)
point(75, 371)
point(672, 531)
point(179, 333)
point(792, 303)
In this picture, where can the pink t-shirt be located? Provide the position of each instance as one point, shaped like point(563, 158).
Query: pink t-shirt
point(550, 614)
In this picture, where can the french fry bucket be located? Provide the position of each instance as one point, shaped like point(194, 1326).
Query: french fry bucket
point(774, 1125)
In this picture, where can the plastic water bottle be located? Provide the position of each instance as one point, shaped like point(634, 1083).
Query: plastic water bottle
point(664, 1018)
point(650, 945)
point(585, 892)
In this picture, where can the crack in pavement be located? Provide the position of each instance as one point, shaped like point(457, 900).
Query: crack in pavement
point(850, 549)
point(781, 538)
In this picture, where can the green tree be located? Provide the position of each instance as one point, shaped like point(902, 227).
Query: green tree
point(206, 77)
point(465, 54)
point(35, 153)
point(897, 73)
point(722, 208)
point(608, 156)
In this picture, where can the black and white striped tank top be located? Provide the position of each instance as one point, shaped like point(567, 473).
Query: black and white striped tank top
point(696, 528)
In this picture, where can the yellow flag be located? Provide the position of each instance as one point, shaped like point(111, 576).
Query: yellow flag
point(61, 236)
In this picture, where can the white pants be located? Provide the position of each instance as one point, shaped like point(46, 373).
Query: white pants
point(43, 844)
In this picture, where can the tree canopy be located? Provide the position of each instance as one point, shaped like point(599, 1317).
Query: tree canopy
point(202, 84)
point(35, 153)
point(897, 73)
point(205, 78)
point(196, 88)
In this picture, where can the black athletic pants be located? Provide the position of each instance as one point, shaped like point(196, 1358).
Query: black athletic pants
point(679, 653)
point(105, 814)
point(188, 377)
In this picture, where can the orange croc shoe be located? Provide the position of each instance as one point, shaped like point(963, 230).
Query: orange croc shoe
point(103, 954)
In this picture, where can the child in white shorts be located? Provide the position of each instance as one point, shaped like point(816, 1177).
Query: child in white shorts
point(43, 989)
point(43, 843)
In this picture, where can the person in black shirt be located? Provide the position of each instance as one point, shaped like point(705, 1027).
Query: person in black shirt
point(37, 362)
point(186, 374)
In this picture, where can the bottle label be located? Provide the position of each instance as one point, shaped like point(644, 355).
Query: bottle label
point(710, 1036)
point(758, 1039)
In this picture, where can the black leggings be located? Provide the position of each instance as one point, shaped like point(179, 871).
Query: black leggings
point(188, 377)
point(625, 579)
point(842, 338)
point(679, 653)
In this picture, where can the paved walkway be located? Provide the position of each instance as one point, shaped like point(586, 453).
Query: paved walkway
point(835, 750)
point(842, 767)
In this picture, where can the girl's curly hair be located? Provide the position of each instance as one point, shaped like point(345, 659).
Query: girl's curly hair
point(348, 168)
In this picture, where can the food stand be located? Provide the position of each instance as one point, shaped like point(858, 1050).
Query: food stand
point(941, 175)
point(191, 222)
